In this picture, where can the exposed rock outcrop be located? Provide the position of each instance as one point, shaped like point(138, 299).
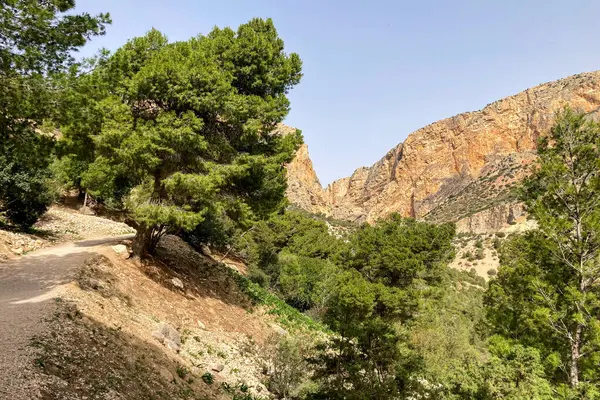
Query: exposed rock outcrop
point(304, 189)
point(425, 175)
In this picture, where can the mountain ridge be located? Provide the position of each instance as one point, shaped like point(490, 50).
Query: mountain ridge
point(420, 174)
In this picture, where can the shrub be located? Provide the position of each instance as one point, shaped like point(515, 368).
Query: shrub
point(469, 256)
point(286, 358)
point(305, 281)
point(492, 272)
point(479, 254)
point(497, 243)
point(182, 372)
point(208, 378)
point(259, 277)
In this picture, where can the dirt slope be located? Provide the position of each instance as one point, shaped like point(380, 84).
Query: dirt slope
point(82, 320)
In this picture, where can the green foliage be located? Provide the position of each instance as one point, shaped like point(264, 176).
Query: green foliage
point(37, 41)
point(25, 177)
point(445, 351)
point(497, 243)
point(297, 233)
point(479, 254)
point(186, 138)
point(208, 378)
point(182, 372)
point(285, 314)
point(392, 266)
point(286, 358)
point(397, 251)
point(514, 372)
point(360, 359)
point(305, 281)
point(545, 295)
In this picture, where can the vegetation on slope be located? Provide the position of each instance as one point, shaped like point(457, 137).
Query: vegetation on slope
point(179, 135)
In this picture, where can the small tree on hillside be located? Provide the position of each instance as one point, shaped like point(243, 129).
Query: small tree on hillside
point(187, 141)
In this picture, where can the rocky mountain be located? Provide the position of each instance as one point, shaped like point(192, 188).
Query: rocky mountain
point(462, 169)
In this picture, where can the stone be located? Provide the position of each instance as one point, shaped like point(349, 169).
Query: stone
point(279, 330)
point(177, 283)
point(218, 367)
point(121, 250)
point(204, 249)
point(95, 284)
point(17, 251)
point(85, 210)
point(172, 345)
point(166, 375)
point(158, 336)
point(169, 333)
point(434, 167)
point(201, 325)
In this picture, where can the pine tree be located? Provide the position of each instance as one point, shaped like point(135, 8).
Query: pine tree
point(547, 294)
point(187, 142)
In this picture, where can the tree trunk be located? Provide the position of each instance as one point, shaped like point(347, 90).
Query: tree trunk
point(145, 241)
point(575, 349)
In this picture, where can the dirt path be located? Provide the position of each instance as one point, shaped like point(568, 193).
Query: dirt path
point(27, 289)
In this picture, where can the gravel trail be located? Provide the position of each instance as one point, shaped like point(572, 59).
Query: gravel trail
point(28, 286)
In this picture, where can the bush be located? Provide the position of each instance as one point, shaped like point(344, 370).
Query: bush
point(500, 234)
point(286, 359)
point(259, 277)
point(303, 281)
point(182, 372)
point(480, 255)
point(497, 243)
point(469, 256)
point(492, 272)
point(208, 378)
point(24, 180)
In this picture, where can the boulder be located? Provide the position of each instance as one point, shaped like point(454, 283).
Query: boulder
point(168, 336)
point(177, 283)
point(172, 345)
point(218, 367)
point(170, 333)
point(167, 375)
point(279, 329)
point(121, 250)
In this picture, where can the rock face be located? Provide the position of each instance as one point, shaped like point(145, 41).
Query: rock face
point(442, 163)
point(304, 189)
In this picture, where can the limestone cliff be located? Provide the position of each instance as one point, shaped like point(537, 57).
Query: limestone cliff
point(304, 189)
point(452, 169)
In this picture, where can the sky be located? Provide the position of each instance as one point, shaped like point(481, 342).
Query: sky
point(375, 71)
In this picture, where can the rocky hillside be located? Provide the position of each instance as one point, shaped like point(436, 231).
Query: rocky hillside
point(462, 169)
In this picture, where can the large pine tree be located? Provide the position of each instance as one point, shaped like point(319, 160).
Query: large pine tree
point(187, 140)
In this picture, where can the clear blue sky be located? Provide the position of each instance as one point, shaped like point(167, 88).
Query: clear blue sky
point(374, 71)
